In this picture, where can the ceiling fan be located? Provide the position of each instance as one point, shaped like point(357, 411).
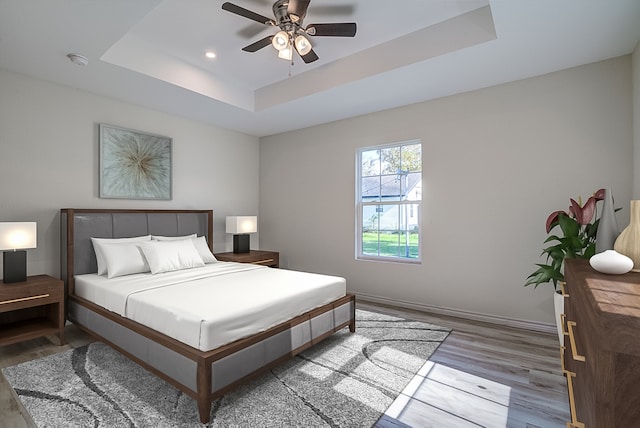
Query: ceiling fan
point(289, 15)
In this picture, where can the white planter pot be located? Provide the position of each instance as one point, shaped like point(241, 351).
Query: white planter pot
point(558, 305)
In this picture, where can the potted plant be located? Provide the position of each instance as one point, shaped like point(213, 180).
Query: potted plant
point(577, 239)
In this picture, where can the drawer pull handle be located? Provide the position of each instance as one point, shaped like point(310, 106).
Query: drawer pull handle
point(563, 318)
point(260, 262)
point(24, 299)
point(572, 341)
point(562, 289)
point(572, 402)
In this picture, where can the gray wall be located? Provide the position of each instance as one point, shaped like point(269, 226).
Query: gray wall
point(635, 69)
point(49, 160)
point(496, 162)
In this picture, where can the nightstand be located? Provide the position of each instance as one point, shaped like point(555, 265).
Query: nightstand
point(256, 257)
point(31, 309)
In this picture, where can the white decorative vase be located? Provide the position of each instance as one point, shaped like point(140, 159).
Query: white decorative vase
point(628, 243)
point(611, 262)
point(558, 306)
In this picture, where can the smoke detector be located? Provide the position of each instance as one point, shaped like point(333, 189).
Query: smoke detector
point(78, 59)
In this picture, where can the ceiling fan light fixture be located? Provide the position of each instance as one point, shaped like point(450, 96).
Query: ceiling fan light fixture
point(302, 45)
point(286, 53)
point(280, 41)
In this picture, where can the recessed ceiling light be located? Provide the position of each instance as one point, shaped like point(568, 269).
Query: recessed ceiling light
point(210, 54)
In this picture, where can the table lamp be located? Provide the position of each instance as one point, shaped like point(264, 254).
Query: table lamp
point(241, 227)
point(15, 237)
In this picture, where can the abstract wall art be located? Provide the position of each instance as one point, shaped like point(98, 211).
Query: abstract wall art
point(134, 164)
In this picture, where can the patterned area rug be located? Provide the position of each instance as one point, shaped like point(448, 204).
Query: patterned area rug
point(348, 380)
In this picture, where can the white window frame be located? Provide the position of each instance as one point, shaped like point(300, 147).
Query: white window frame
point(360, 204)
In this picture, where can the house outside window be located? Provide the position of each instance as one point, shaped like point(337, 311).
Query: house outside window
point(389, 201)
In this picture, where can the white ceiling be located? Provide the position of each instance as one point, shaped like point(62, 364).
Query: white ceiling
point(151, 53)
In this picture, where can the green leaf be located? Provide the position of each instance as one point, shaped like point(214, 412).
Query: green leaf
point(552, 238)
point(544, 273)
point(574, 244)
point(569, 226)
point(556, 252)
point(590, 251)
point(592, 229)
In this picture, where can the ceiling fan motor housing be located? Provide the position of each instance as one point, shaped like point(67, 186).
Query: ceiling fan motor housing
point(281, 13)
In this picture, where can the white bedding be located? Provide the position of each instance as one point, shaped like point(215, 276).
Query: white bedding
point(213, 305)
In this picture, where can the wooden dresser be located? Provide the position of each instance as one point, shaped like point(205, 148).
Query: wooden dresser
point(601, 353)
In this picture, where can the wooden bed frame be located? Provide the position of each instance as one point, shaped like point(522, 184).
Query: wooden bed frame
point(202, 375)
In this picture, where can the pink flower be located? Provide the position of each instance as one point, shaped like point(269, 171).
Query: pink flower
point(553, 218)
point(583, 214)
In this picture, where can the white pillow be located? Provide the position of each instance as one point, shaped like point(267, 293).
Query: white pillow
point(203, 249)
point(167, 256)
point(97, 247)
point(172, 238)
point(199, 242)
point(124, 259)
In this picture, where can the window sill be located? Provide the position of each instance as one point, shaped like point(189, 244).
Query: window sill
point(395, 260)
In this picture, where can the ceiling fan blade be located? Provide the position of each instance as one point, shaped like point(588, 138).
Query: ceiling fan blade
point(344, 29)
point(255, 46)
point(246, 13)
point(298, 8)
point(310, 57)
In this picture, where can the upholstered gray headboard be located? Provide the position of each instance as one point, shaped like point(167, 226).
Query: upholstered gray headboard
point(78, 226)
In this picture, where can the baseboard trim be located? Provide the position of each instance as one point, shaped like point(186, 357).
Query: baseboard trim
point(539, 327)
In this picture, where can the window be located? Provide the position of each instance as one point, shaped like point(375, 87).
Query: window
point(389, 198)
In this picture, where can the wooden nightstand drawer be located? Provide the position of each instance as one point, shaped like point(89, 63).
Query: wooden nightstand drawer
point(31, 309)
point(264, 258)
point(27, 302)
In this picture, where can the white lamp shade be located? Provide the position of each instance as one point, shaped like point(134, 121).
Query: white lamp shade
point(286, 53)
point(17, 235)
point(242, 224)
point(280, 40)
point(302, 45)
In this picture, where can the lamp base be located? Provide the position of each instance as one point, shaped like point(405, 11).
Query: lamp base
point(241, 243)
point(15, 266)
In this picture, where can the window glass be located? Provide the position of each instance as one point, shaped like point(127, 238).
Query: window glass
point(389, 199)
point(370, 163)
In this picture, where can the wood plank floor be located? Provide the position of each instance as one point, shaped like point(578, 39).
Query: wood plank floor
point(483, 375)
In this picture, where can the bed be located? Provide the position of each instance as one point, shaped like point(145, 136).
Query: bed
point(216, 341)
